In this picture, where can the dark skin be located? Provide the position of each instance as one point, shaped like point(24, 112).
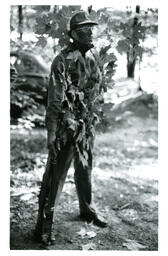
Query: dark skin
point(83, 38)
point(79, 35)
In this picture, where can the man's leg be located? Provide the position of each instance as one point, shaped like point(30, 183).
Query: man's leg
point(53, 181)
point(43, 196)
point(84, 190)
point(83, 184)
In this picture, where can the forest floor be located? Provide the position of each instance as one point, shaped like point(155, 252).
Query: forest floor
point(125, 187)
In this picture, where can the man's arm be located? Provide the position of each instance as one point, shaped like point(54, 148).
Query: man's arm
point(55, 98)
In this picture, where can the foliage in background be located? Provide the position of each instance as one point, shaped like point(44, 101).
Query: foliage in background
point(124, 30)
point(28, 112)
point(49, 26)
point(52, 22)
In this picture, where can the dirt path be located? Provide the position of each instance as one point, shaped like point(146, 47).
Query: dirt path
point(125, 191)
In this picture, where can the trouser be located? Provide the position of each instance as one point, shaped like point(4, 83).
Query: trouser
point(53, 181)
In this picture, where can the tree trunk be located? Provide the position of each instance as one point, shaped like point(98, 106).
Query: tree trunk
point(131, 59)
point(20, 21)
point(130, 65)
point(11, 15)
point(54, 42)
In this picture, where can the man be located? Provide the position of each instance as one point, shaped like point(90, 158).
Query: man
point(74, 87)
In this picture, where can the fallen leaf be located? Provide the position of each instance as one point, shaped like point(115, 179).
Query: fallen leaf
point(91, 234)
point(100, 242)
point(26, 197)
point(82, 232)
point(23, 190)
point(39, 162)
point(90, 246)
point(133, 245)
point(129, 215)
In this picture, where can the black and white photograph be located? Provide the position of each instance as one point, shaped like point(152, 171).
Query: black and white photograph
point(84, 127)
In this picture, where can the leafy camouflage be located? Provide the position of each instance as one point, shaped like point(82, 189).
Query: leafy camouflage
point(75, 88)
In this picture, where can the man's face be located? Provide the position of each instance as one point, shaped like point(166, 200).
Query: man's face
point(84, 34)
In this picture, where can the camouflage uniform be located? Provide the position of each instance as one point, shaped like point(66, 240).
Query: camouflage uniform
point(72, 93)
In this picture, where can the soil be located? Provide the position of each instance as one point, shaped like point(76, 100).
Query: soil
point(125, 188)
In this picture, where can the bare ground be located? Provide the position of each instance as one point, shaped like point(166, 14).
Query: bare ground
point(125, 188)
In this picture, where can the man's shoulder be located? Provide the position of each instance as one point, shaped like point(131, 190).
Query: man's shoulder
point(58, 60)
point(69, 48)
point(71, 53)
point(63, 54)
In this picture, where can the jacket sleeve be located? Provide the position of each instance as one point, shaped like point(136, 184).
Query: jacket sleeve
point(55, 93)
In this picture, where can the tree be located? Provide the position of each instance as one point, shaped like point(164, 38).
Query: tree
point(134, 31)
point(54, 24)
point(131, 53)
point(20, 18)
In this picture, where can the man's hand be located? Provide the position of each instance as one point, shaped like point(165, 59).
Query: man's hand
point(51, 143)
